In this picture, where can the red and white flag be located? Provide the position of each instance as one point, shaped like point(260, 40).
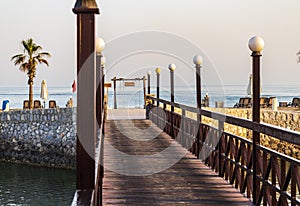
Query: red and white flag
point(74, 87)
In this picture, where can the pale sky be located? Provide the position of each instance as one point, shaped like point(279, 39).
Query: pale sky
point(220, 28)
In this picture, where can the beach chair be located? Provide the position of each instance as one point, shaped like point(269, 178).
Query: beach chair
point(52, 104)
point(283, 104)
point(270, 101)
point(264, 102)
point(296, 102)
point(247, 102)
point(25, 104)
point(37, 104)
point(5, 105)
point(240, 104)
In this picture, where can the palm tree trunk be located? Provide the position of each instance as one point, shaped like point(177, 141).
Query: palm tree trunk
point(31, 95)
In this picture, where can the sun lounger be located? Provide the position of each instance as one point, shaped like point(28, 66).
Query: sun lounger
point(37, 104)
point(295, 102)
point(52, 104)
point(270, 103)
point(244, 102)
point(247, 102)
point(25, 104)
point(264, 102)
point(239, 104)
point(283, 104)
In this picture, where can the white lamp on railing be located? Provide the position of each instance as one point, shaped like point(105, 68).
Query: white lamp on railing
point(100, 61)
point(256, 45)
point(198, 60)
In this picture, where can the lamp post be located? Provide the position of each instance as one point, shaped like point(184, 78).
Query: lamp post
point(172, 68)
point(115, 92)
point(198, 62)
point(86, 121)
point(157, 70)
point(103, 62)
point(100, 45)
point(149, 82)
point(256, 45)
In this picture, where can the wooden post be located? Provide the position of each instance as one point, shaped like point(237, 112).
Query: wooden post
point(86, 108)
point(182, 127)
point(256, 45)
point(157, 93)
point(144, 88)
point(102, 82)
point(198, 90)
point(220, 133)
point(99, 95)
point(149, 82)
point(157, 84)
point(256, 118)
point(148, 106)
point(115, 92)
point(172, 69)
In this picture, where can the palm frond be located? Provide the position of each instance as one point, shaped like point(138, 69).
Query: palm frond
point(24, 67)
point(17, 57)
point(20, 60)
point(26, 46)
point(45, 54)
point(44, 61)
point(36, 48)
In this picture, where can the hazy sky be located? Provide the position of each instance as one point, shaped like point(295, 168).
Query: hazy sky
point(220, 28)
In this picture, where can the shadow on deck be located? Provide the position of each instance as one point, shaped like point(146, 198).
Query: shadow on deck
point(144, 166)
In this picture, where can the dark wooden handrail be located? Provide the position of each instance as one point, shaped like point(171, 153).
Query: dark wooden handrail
point(277, 174)
point(271, 130)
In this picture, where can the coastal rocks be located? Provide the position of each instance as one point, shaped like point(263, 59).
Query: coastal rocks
point(45, 137)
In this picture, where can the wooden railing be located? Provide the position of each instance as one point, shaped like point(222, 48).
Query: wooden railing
point(277, 175)
point(94, 197)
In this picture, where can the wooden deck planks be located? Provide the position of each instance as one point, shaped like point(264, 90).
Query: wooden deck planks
point(188, 182)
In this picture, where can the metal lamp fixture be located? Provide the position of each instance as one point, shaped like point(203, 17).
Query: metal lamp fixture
point(172, 67)
point(100, 45)
point(157, 70)
point(256, 44)
point(198, 60)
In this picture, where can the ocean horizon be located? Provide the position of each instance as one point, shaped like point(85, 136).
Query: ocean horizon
point(132, 97)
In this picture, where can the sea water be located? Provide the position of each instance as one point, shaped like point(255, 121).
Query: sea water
point(229, 94)
point(133, 97)
point(29, 185)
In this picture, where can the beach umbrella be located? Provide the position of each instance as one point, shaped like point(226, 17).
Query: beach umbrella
point(249, 88)
point(44, 92)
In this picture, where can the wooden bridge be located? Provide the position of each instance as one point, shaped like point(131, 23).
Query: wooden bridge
point(133, 178)
point(139, 168)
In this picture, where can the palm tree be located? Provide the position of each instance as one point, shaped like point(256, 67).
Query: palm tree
point(28, 61)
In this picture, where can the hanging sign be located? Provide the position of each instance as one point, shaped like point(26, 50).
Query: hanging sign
point(129, 84)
